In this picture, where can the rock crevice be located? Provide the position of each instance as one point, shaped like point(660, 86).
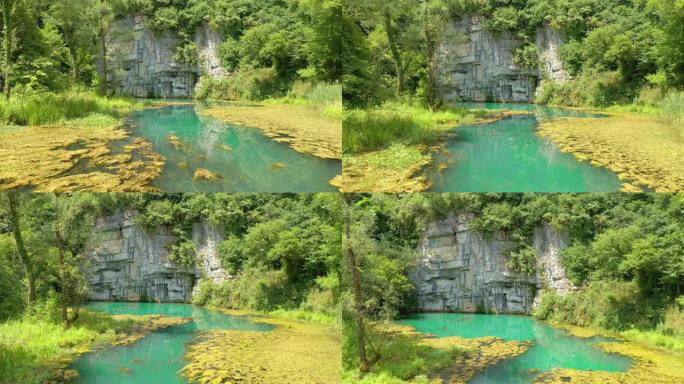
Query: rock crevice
point(461, 270)
point(124, 262)
point(474, 64)
point(143, 63)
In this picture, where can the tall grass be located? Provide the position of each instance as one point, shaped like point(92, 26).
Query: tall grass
point(672, 108)
point(29, 345)
point(379, 128)
point(52, 108)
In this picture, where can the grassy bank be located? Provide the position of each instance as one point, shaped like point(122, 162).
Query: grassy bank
point(56, 108)
point(386, 148)
point(33, 350)
point(402, 355)
point(617, 308)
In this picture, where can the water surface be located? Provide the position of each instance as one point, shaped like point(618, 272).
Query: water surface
point(244, 156)
point(159, 356)
point(552, 347)
point(508, 156)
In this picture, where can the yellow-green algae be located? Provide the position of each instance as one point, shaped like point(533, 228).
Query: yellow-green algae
point(651, 365)
point(396, 169)
point(303, 128)
point(293, 352)
point(477, 354)
point(141, 325)
point(642, 150)
point(207, 175)
point(47, 158)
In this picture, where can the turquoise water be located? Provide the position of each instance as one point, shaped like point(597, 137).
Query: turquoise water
point(508, 156)
point(244, 156)
point(159, 356)
point(552, 348)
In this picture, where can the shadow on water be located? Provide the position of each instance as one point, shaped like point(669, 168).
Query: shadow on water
point(552, 347)
point(508, 156)
point(159, 356)
point(244, 159)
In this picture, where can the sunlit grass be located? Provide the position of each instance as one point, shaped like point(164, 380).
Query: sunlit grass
point(378, 128)
point(53, 108)
point(29, 346)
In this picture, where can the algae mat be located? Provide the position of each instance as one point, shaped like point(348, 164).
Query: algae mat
point(642, 150)
point(75, 158)
point(294, 352)
point(304, 129)
point(651, 365)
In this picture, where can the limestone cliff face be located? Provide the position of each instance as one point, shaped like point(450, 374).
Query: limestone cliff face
point(127, 263)
point(461, 270)
point(476, 65)
point(141, 62)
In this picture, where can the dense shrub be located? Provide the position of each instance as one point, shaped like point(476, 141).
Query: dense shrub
point(255, 84)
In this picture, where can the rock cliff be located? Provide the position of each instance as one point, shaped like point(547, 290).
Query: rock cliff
point(476, 65)
point(141, 62)
point(127, 263)
point(461, 270)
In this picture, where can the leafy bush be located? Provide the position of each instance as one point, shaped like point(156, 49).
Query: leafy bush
point(183, 253)
point(254, 84)
point(612, 305)
point(592, 89)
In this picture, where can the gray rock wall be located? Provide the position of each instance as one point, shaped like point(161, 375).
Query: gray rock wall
point(476, 65)
point(461, 270)
point(126, 263)
point(141, 62)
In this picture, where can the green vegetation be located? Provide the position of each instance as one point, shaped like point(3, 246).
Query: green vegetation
point(624, 258)
point(26, 344)
point(282, 251)
point(50, 108)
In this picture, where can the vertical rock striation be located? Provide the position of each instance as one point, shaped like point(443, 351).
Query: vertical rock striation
point(142, 62)
point(461, 270)
point(474, 64)
point(124, 262)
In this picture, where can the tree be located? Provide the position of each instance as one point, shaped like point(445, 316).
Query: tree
point(14, 208)
point(9, 25)
point(356, 278)
point(76, 20)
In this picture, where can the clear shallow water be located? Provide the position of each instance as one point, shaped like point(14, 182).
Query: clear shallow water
point(508, 156)
point(552, 348)
point(159, 356)
point(244, 156)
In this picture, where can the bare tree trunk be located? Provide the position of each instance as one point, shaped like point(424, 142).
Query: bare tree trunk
point(21, 249)
point(103, 52)
point(358, 293)
point(433, 96)
point(7, 13)
point(396, 55)
point(63, 278)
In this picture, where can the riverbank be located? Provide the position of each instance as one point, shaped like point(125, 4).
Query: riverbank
point(643, 150)
point(72, 148)
point(304, 128)
point(38, 351)
point(389, 148)
point(295, 351)
point(408, 356)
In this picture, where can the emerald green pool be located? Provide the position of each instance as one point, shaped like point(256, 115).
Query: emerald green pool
point(508, 156)
point(552, 347)
point(159, 356)
point(245, 157)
